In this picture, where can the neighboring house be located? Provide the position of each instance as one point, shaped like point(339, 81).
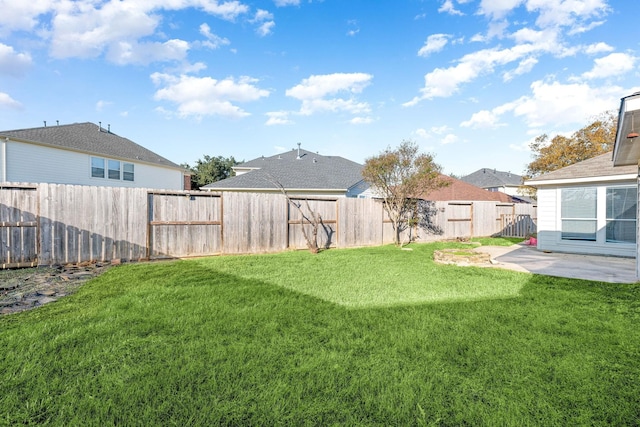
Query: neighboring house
point(299, 172)
point(84, 154)
point(589, 207)
point(494, 180)
point(458, 190)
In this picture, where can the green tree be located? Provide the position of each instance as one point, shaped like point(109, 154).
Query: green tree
point(400, 176)
point(210, 169)
point(595, 138)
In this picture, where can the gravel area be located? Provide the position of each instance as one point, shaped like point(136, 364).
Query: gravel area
point(28, 288)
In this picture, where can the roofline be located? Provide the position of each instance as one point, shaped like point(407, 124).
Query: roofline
point(93, 153)
point(245, 189)
point(586, 180)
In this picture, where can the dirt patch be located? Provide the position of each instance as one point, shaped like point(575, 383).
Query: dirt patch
point(27, 288)
point(463, 257)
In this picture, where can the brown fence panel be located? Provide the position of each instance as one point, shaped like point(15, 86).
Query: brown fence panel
point(254, 223)
point(359, 222)
point(184, 224)
point(459, 220)
point(328, 211)
point(18, 226)
point(89, 224)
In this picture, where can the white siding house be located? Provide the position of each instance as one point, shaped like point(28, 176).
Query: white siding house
point(83, 154)
point(589, 207)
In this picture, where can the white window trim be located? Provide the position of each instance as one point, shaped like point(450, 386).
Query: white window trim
point(106, 161)
point(601, 218)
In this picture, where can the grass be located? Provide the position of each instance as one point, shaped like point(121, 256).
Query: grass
point(373, 336)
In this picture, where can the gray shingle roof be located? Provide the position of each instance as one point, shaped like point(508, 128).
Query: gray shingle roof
point(310, 171)
point(89, 138)
point(599, 166)
point(488, 178)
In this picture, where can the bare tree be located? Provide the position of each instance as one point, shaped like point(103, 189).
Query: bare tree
point(308, 216)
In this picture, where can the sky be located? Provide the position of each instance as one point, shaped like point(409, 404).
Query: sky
point(472, 82)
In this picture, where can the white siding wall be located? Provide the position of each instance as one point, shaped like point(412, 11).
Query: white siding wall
point(34, 163)
point(550, 225)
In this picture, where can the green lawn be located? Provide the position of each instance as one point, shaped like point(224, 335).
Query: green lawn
point(375, 336)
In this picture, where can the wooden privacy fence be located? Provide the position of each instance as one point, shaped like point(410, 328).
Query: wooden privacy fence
point(517, 225)
point(49, 224)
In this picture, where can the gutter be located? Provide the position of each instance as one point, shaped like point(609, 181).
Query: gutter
point(3, 149)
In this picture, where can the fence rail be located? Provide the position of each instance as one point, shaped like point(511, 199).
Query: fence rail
point(49, 224)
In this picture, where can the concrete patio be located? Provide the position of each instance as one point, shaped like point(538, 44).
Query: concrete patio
point(591, 267)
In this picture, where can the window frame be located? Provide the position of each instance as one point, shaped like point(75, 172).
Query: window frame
point(602, 217)
point(109, 169)
point(566, 235)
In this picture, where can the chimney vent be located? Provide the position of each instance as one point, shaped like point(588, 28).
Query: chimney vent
point(45, 123)
point(109, 128)
point(299, 143)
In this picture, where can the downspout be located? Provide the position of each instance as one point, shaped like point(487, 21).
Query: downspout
point(3, 148)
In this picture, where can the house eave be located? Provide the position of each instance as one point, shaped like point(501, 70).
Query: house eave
point(585, 180)
point(272, 189)
point(626, 151)
point(91, 153)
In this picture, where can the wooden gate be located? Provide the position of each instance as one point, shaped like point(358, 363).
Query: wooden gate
point(328, 211)
point(516, 225)
point(183, 224)
point(459, 219)
point(18, 226)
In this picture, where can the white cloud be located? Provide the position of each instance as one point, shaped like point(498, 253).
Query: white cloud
point(555, 104)
point(320, 93)
point(262, 15)
point(422, 133)
point(282, 3)
point(444, 82)
point(265, 19)
point(440, 130)
point(265, 29)
point(278, 118)
point(100, 105)
point(596, 48)
point(573, 14)
point(434, 43)
point(448, 7)
point(482, 119)
point(554, 19)
point(318, 86)
point(8, 102)
point(213, 41)
point(13, 63)
point(87, 29)
point(22, 15)
point(145, 53)
point(206, 96)
point(525, 66)
point(449, 139)
point(611, 65)
point(361, 120)
point(498, 9)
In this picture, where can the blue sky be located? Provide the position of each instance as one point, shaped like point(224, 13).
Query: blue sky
point(471, 81)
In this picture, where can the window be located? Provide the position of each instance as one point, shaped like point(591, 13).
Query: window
point(127, 171)
point(621, 214)
point(108, 168)
point(114, 169)
point(579, 213)
point(97, 167)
